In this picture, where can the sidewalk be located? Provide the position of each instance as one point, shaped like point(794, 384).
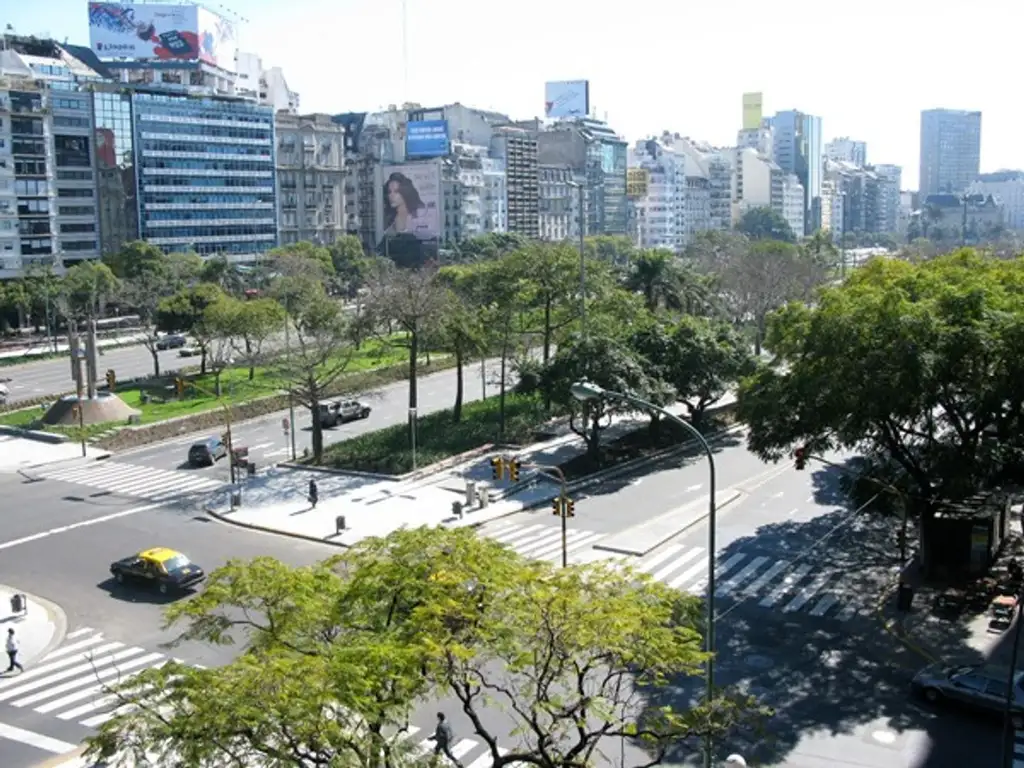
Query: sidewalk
point(17, 453)
point(46, 348)
point(39, 629)
point(376, 505)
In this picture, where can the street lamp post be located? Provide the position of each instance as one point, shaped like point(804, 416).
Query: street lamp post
point(584, 391)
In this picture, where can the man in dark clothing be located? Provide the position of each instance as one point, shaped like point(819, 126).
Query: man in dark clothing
point(442, 739)
point(314, 495)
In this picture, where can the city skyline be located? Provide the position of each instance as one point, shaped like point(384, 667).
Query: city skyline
point(875, 107)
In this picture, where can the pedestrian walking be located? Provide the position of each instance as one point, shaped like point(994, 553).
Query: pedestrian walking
point(12, 652)
point(314, 494)
point(442, 739)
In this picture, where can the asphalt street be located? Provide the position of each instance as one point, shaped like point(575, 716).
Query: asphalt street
point(268, 443)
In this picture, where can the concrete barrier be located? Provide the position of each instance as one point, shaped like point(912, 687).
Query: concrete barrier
point(31, 434)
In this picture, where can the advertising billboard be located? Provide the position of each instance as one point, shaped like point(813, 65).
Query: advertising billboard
point(752, 108)
point(637, 182)
point(567, 98)
point(148, 31)
point(426, 138)
point(409, 212)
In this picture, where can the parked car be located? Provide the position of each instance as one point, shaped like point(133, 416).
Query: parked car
point(340, 411)
point(189, 352)
point(207, 452)
point(165, 569)
point(978, 686)
point(174, 341)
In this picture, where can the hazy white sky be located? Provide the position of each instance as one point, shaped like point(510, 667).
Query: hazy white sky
point(867, 67)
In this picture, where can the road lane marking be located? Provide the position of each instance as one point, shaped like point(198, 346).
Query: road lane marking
point(661, 557)
point(661, 573)
point(37, 740)
point(787, 584)
point(260, 446)
point(73, 526)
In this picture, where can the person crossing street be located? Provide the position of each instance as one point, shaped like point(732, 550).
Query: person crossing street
point(442, 739)
point(314, 494)
point(12, 652)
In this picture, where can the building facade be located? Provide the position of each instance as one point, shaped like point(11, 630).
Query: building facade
point(48, 179)
point(205, 174)
point(1007, 187)
point(310, 164)
point(950, 151)
point(517, 149)
point(792, 208)
point(797, 149)
point(847, 150)
point(890, 179)
point(559, 203)
point(757, 183)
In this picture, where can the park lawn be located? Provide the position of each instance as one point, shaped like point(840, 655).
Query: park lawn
point(388, 451)
point(27, 418)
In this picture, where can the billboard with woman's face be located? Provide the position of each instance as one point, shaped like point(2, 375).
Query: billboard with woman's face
point(409, 213)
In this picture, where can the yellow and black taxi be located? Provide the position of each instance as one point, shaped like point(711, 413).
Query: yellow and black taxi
point(165, 569)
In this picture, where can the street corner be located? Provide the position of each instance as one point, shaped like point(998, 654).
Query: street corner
point(39, 624)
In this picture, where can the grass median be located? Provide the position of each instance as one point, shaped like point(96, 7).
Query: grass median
point(157, 399)
point(388, 451)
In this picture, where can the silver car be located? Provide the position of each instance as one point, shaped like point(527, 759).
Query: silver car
point(979, 686)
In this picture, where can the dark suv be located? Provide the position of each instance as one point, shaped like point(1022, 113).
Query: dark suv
point(175, 341)
point(206, 452)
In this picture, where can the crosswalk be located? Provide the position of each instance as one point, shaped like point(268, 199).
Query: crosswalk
point(133, 480)
point(781, 585)
point(73, 682)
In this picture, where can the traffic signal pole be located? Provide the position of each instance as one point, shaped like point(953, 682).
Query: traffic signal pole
point(502, 467)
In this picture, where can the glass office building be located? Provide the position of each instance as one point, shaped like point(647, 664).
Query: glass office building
point(186, 173)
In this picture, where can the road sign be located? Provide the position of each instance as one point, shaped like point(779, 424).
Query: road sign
point(285, 425)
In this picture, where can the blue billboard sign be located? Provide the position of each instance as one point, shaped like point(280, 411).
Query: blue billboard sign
point(426, 138)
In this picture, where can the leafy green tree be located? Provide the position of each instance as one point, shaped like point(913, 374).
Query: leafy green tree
point(228, 276)
point(257, 321)
point(86, 289)
point(298, 256)
point(462, 328)
point(765, 224)
point(915, 364)
point(615, 250)
point(338, 654)
point(700, 359)
point(550, 283)
point(185, 312)
point(666, 281)
point(607, 362)
point(317, 358)
point(491, 246)
point(133, 259)
point(351, 265)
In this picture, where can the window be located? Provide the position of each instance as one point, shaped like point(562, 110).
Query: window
point(27, 126)
point(63, 121)
point(74, 193)
point(84, 245)
point(29, 167)
point(74, 175)
point(71, 229)
point(23, 146)
point(30, 187)
point(76, 210)
point(72, 151)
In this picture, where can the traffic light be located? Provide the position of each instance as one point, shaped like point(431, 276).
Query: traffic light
point(111, 379)
point(570, 508)
point(556, 506)
point(800, 455)
point(513, 469)
point(497, 468)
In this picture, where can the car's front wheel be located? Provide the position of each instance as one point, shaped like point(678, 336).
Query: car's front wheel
point(119, 577)
point(931, 695)
point(163, 588)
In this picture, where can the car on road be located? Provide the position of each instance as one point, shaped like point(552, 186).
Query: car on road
point(977, 686)
point(340, 411)
point(166, 570)
point(174, 341)
point(207, 452)
point(189, 352)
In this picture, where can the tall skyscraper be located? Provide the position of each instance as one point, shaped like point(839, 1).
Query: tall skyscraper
point(950, 150)
point(797, 150)
point(847, 150)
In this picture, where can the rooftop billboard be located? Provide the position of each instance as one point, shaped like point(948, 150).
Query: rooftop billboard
point(409, 214)
point(158, 31)
point(426, 138)
point(567, 98)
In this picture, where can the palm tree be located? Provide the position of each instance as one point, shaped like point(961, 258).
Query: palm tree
point(654, 274)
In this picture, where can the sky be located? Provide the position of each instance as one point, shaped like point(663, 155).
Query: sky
point(867, 68)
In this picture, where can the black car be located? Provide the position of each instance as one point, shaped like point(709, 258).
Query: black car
point(207, 452)
point(175, 341)
point(165, 569)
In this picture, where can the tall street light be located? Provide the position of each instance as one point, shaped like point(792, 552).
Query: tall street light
point(586, 391)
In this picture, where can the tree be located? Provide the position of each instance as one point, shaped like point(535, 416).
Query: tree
point(351, 265)
point(256, 321)
point(86, 288)
point(491, 246)
point(301, 256)
point(318, 357)
point(415, 301)
point(550, 288)
point(462, 330)
point(337, 655)
point(614, 250)
point(700, 359)
point(609, 364)
point(914, 364)
point(665, 281)
point(134, 259)
point(765, 224)
point(185, 312)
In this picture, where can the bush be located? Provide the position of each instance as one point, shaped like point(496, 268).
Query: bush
point(387, 451)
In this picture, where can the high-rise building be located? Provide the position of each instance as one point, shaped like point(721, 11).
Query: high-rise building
point(517, 148)
point(264, 86)
point(661, 212)
point(950, 150)
point(792, 202)
point(848, 150)
point(48, 213)
point(559, 203)
point(1007, 187)
point(753, 107)
point(757, 183)
point(310, 161)
point(595, 152)
point(868, 197)
point(797, 150)
point(890, 179)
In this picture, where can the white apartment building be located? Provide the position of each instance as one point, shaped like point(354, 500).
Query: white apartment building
point(760, 139)
point(310, 165)
point(266, 86)
point(559, 203)
point(757, 183)
point(495, 200)
point(847, 150)
point(1008, 189)
point(831, 208)
point(792, 208)
point(661, 213)
point(890, 179)
point(710, 172)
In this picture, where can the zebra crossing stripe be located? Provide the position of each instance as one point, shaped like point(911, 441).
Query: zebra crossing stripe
point(787, 584)
point(653, 562)
point(133, 480)
point(720, 570)
point(47, 668)
point(671, 567)
point(807, 593)
point(571, 545)
point(486, 759)
point(740, 577)
point(761, 581)
point(88, 668)
point(71, 698)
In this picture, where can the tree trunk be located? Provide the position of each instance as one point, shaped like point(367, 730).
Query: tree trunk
point(202, 360)
point(216, 381)
point(414, 352)
point(156, 362)
point(594, 438)
point(501, 390)
point(318, 430)
point(248, 354)
point(547, 346)
point(457, 408)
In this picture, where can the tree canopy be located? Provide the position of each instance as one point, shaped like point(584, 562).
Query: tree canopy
point(338, 654)
point(766, 224)
point(919, 364)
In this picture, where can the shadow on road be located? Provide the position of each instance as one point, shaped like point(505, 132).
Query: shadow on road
point(141, 593)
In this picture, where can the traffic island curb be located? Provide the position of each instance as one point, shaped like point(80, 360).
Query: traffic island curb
point(224, 518)
point(56, 616)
